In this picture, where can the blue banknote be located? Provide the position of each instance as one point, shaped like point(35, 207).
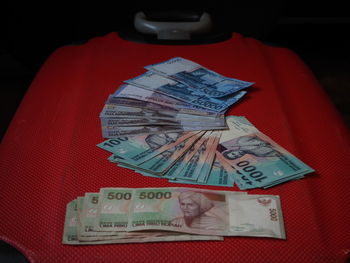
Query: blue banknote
point(180, 91)
point(202, 80)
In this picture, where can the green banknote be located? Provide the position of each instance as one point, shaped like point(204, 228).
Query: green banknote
point(88, 218)
point(199, 164)
point(122, 131)
point(70, 232)
point(196, 148)
point(219, 176)
point(138, 149)
point(162, 162)
point(259, 161)
point(247, 157)
point(88, 214)
point(204, 172)
point(237, 126)
point(71, 235)
point(113, 209)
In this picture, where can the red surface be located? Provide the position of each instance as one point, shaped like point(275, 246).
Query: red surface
point(48, 156)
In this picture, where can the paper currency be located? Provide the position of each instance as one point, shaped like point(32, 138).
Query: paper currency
point(218, 176)
point(137, 108)
point(140, 148)
point(179, 96)
point(180, 91)
point(137, 93)
point(127, 215)
point(196, 148)
point(157, 103)
point(72, 235)
point(133, 130)
point(199, 164)
point(258, 160)
point(162, 162)
point(110, 122)
point(204, 171)
point(184, 122)
point(132, 215)
point(118, 120)
point(200, 79)
point(200, 211)
point(243, 156)
point(122, 131)
point(87, 216)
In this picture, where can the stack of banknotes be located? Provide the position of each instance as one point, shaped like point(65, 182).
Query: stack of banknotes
point(240, 155)
point(134, 215)
point(172, 96)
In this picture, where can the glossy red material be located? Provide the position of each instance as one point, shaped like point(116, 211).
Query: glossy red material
point(48, 156)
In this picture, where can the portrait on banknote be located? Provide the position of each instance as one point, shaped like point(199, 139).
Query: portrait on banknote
point(201, 210)
point(253, 145)
point(155, 141)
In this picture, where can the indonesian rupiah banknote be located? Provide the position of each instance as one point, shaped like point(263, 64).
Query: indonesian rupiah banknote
point(179, 96)
point(73, 236)
point(244, 154)
point(137, 93)
point(175, 95)
point(127, 215)
point(138, 149)
point(183, 92)
point(257, 159)
point(130, 108)
point(274, 166)
point(200, 79)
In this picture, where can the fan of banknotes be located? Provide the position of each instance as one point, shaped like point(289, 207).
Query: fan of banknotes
point(127, 215)
point(172, 96)
point(240, 155)
point(169, 123)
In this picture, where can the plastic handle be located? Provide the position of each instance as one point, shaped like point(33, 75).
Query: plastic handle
point(172, 30)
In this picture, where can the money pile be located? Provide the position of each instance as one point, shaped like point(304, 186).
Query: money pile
point(240, 155)
point(134, 215)
point(173, 96)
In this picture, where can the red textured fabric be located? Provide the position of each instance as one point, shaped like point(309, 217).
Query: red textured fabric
point(48, 156)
